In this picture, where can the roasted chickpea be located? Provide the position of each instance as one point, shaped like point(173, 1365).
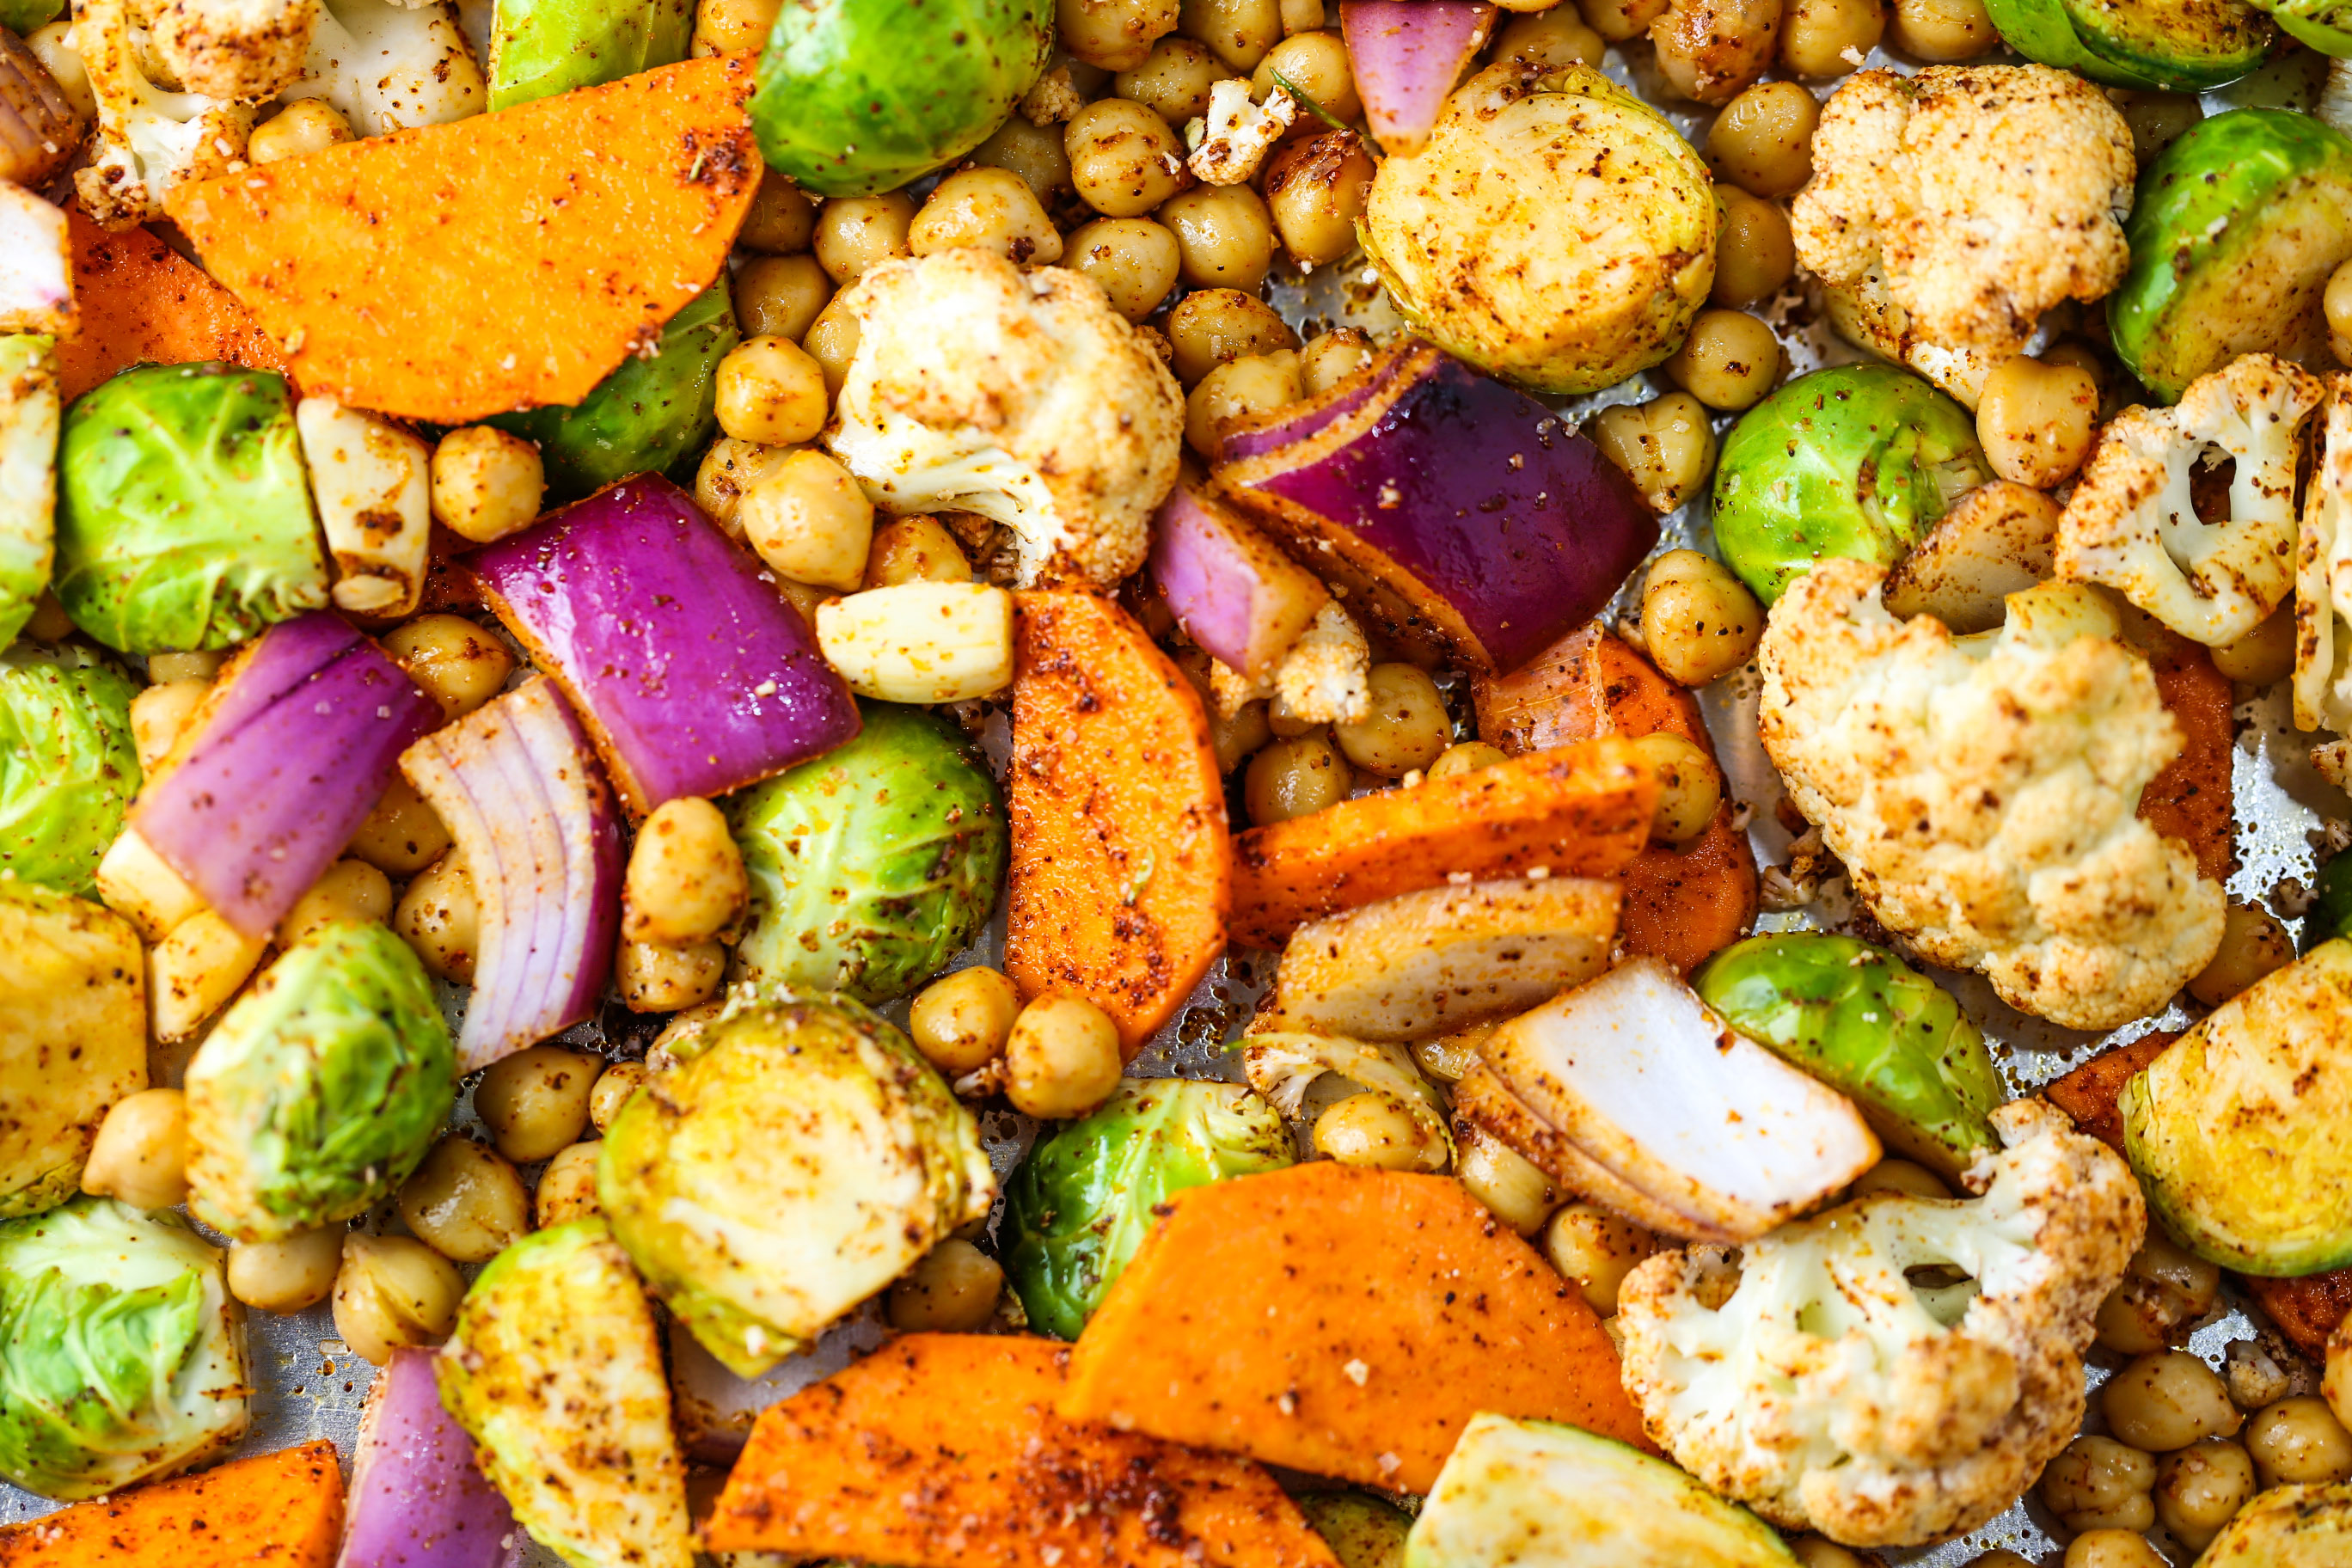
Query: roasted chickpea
point(464, 1202)
point(1375, 1131)
point(140, 1153)
point(1115, 35)
point(1943, 31)
point(1124, 160)
point(1698, 622)
point(1690, 786)
point(809, 520)
point(1240, 32)
point(986, 209)
point(1211, 326)
point(2164, 1290)
point(1666, 446)
point(2111, 1548)
point(655, 978)
point(1619, 21)
point(306, 125)
point(1709, 50)
point(2167, 1401)
point(2255, 1377)
point(2253, 944)
point(1729, 361)
point(1331, 357)
point(729, 26)
point(1762, 142)
point(1300, 15)
point(832, 342)
point(485, 482)
point(391, 1291)
point(1515, 1191)
point(289, 1275)
point(452, 660)
point(1315, 63)
point(772, 392)
point(1173, 80)
point(1286, 722)
point(613, 1088)
point(567, 1188)
point(1258, 385)
point(2097, 1483)
point(2263, 656)
point(2335, 303)
point(1062, 1058)
point(686, 881)
point(1224, 236)
point(952, 1291)
point(961, 1022)
point(1594, 1250)
point(1134, 260)
point(348, 890)
point(1549, 39)
point(403, 835)
point(1466, 757)
point(2036, 421)
point(1999, 1557)
point(782, 219)
point(1829, 37)
point(2298, 1442)
point(1820, 1551)
point(1034, 152)
point(2198, 1489)
point(1406, 731)
point(536, 1100)
point(1892, 1175)
point(159, 713)
point(1315, 188)
point(727, 469)
point(915, 550)
point(854, 233)
point(781, 296)
point(1295, 776)
point(1755, 255)
point(439, 917)
point(1236, 736)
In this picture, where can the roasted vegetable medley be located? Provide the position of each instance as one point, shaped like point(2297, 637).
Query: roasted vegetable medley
point(1157, 783)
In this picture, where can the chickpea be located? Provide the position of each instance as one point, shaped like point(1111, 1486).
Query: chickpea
point(832, 342)
point(1466, 757)
point(856, 234)
point(2097, 1483)
point(611, 1090)
point(452, 660)
point(810, 520)
point(464, 1202)
point(1515, 1191)
point(1373, 1130)
point(772, 392)
point(686, 881)
point(1132, 259)
point(953, 1290)
point(986, 209)
point(1820, 1551)
point(728, 469)
point(1755, 255)
point(2157, 119)
point(2335, 1375)
point(961, 1022)
point(351, 890)
point(1173, 80)
point(781, 296)
point(1062, 1058)
point(2254, 1378)
point(1666, 446)
point(2164, 1289)
point(2111, 1548)
point(1942, 32)
point(1999, 1557)
point(2335, 304)
point(1621, 21)
point(1690, 786)
point(2263, 656)
point(1762, 142)
point(1286, 722)
point(2036, 421)
point(1236, 738)
point(439, 917)
point(403, 835)
point(1258, 385)
point(567, 1188)
point(1211, 326)
point(1034, 152)
point(307, 125)
point(485, 482)
point(140, 1153)
point(159, 714)
point(1315, 188)
point(1549, 39)
point(1224, 236)
point(1892, 1175)
point(1240, 32)
point(291, 1274)
point(1296, 776)
point(727, 26)
point(1300, 15)
point(1594, 1250)
point(2198, 1489)
point(655, 978)
point(394, 1290)
point(1829, 37)
point(1698, 622)
point(1316, 63)
point(1331, 357)
point(54, 47)
point(2253, 944)
point(199, 666)
point(1115, 34)
point(1408, 727)
point(536, 1100)
point(915, 550)
point(1709, 50)
point(782, 219)
point(1729, 361)
point(1124, 160)
point(2166, 1401)
point(2298, 1442)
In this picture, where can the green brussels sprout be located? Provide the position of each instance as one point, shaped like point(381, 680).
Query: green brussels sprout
point(23, 16)
point(2287, 1527)
point(28, 476)
point(645, 415)
point(73, 1037)
point(861, 96)
point(2159, 44)
point(122, 1353)
point(1859, 460)
point(2330, 914)
point(541, 48)
point(554, 1370)
point(320, 1089)
point(183, 510)
point(798, 1157)
point(1082, 1201)
point(68, 765)
point(2322, 24)
point(1856, 1017)
point(873, 865)
point(1362, 1531)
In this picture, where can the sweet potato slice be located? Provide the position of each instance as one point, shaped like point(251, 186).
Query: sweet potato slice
point(1682, 905)
point(285, 1510)
point(141, 304)
point(1122, 859)
point(1342, 1321)
point(944, 1451)
point(500, 262)
point(2307, 1310)
point(2088, 1093)
point(2190, 799)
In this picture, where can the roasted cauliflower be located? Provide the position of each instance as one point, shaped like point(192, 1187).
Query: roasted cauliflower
point(1812, 1376)
point(1983, 791)
point(2323, 573)
point(2132, 523)
point(1021, 397)
point(392, 65)
point(1948, 210)
point(147, 140)
point(1324, 678)
point(237, 50)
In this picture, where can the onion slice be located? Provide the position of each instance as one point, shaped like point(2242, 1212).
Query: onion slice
point(285, 757)
point(517, 785)
point(692, 673)
point(417, 1498)
point(1406, 55)
point(1233, 592)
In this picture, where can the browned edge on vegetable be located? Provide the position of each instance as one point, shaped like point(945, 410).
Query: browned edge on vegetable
point(1342, 1321)
point(2190, 798)
point(141, 304)
point(945, 1451)
point(284, 1509)
point(1122, 862)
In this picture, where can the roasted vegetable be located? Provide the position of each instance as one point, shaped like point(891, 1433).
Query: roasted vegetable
point(284, 1509)
point(139, 303)
point(68, 764)
point(29, 416)
point(2140, 43)
point(539, 48)
point(418, 1500)
point(1362, 1530)
point(73, 1037)
point(2286, 1527)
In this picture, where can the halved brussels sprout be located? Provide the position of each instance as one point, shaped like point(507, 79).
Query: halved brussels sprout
point(68, 765)
point(1084, 1199)
point(73, 1037)
point(1362, 1531)
point(122, 1354)
point(320, 1089)
point(2287, 1527)
point(539, 48)
point(28, 474)
point(184, 511)
point(2180, 46)
point(873, 865)
point(798, 1157)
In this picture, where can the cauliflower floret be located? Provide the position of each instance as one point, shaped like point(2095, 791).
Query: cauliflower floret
point(1809, 1377)
point(1019, 395)
point(391, 64)
point(2323, 574)
point(240, 51)
point(2132, 525)
point(1324, 678)
point(1051, 99)
point(147, 140)
point(1230, 144)
point(1983, 791)
point(1968, 199)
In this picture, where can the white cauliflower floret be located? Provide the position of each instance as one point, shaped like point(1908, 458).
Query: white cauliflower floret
point(392, 65)
point(147, 140)
point(1809, 1377)
point(1983, 791)
point(1324, 678)
point(1953, 207)
point(1234, 137)
point(240, 51)
point(2323, 573)
point(1019, 395)
point(2132, 524)
point(1283, 1065)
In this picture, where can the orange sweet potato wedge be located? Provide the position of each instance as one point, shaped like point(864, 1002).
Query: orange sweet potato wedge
point(2088, 1093)
point(284, 1510)
point(1122, 861)
point(944, 1451)
point(2189, 799)
point(500, 262)
point(2308, 1310)
point(1344, 1321)
point(141, 304)
point(1682, 905)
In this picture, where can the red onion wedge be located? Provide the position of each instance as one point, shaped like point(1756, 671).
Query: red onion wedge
point(1297, 421)
point(518, 786)
point(1406, 55)
point(1454, 513)
point(692, 673)
point(288, 753)
point(417, 1500)
point(1233, 592)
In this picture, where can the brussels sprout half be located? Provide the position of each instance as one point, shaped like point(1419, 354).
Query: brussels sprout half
point(28, 474)
point(2163, 44)
point(1362, 1531)
point(1859, 460)
point(320, 1089)
point(183, 510)
point(540, 48)
point(68, 765)
point(73, 1037)
point(1082, 1201)
point(121, 1355)
point(872, 865)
